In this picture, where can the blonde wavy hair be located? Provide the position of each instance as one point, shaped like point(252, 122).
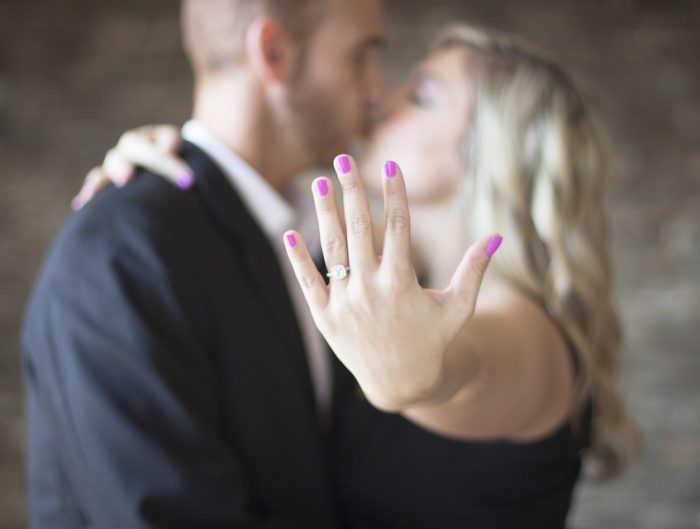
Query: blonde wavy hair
point(537, 173)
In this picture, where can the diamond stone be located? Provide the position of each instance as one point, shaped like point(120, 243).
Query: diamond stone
point(339, 272)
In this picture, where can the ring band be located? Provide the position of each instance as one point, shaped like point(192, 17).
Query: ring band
point(339, 271)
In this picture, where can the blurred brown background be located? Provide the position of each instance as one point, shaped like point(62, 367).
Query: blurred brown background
point(75, 73)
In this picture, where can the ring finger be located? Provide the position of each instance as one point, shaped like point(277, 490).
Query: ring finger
point(330, 228)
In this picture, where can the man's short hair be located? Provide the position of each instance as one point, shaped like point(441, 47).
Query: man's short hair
point(214, 30)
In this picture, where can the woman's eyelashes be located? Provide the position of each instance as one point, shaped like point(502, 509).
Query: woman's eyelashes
point(424, 92)
point(414, 97)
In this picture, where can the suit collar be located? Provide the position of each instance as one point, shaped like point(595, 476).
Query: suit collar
point(232, 215)
point(272, 211)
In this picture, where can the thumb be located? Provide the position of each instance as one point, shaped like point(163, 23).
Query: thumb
point(466, 281)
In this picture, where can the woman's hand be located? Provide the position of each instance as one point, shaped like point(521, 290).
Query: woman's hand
point(153, 147)
point(391, 333)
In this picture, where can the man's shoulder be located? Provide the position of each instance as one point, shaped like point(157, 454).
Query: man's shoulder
point(149, 215)
point(148, 202)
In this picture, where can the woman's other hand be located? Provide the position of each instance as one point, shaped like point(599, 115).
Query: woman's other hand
point(153, 147)
point(391, 333)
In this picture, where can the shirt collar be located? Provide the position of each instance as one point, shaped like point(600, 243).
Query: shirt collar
point(273, 213)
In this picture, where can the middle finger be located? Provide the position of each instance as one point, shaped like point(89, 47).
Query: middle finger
point(357, 217)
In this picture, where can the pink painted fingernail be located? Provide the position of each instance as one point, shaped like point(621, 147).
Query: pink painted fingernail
point(291, 240)
point(390, 169)
point(342, 163)
point(76, 203)
point(185, 179)
point(322, 187)
point(493, 245)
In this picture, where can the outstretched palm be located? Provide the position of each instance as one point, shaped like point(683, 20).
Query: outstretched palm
point(391, 333)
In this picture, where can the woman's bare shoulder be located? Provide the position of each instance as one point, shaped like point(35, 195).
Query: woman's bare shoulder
point(529, 356)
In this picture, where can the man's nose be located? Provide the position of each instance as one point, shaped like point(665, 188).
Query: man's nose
point(377, 94)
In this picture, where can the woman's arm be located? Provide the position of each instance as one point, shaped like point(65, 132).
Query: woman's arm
point(500, 371)
point(508, 374)
point(153, 147)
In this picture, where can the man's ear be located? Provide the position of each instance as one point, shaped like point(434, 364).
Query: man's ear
point(270, 50)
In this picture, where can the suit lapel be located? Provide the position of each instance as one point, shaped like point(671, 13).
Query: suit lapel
point(264, 271)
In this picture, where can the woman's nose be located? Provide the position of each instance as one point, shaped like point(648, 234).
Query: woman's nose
point(393, 102)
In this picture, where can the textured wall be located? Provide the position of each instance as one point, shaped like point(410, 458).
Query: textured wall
point(75, 73)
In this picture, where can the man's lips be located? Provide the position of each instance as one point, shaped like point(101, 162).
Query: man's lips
point(367, 129)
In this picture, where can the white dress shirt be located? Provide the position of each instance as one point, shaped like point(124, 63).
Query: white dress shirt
point(275, 215)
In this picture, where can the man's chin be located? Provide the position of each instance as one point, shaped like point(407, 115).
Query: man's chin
point(355, 146)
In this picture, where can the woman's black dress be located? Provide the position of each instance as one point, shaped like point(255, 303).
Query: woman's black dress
point(391, 474)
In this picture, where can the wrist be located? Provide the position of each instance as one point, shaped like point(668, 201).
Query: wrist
point(460, 369)
point(407, 392)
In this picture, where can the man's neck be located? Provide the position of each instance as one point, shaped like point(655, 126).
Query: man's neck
point(235, 111)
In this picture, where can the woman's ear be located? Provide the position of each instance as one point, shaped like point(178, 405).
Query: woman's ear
point(270, 50)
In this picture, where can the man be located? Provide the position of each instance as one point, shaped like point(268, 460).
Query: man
point(168, 368)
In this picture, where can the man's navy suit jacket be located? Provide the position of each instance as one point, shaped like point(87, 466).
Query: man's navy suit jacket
point(167, 381)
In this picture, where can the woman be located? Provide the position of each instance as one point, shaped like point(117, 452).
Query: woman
point(488, 430)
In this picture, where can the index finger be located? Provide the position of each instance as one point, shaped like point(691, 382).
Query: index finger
point(397, 221)
point(312, 284)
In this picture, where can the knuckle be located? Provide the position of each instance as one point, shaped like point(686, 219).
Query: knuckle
point(164, 130)
point(127, 139)
point(347, 182)
point(359, 295)
point(359, 225)
point(308, 280)
point(110, 156)
point(396, 282)
point(398, 221)
point(334, 244)
point(326, 206)
point(326, 322)
point(477, 264)
point(144, 129)
point(320, 320)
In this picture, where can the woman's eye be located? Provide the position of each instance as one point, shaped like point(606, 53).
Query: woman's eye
point(424, 93)
point(415, 97)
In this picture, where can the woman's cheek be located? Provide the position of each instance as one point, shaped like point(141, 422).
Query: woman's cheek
point(428, 173)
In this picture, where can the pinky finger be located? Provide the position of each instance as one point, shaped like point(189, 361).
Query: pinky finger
point(467, 279)
point(312, 284)
point(94, 182)
point(119, 170)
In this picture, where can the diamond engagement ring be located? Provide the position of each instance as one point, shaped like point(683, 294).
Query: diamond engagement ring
point(339, 272)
